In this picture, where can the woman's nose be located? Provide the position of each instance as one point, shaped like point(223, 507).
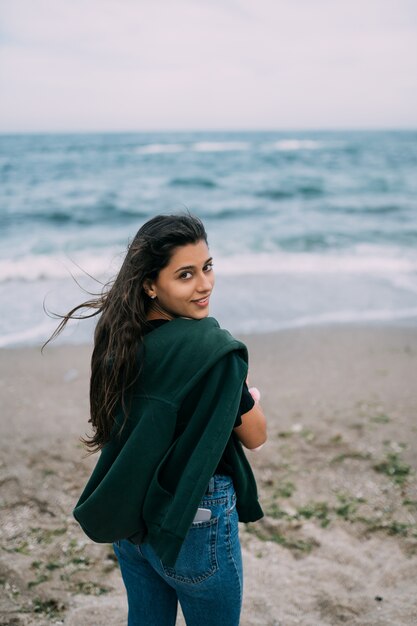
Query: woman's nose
point(204, 283)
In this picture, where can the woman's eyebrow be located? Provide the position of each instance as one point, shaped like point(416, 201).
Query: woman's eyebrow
point(191, 267)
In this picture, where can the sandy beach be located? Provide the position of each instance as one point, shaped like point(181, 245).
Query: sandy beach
point(337, 482)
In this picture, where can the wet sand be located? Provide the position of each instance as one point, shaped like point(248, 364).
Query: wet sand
point(337, 481)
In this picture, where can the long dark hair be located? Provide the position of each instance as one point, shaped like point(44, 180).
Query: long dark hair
point(123, 305)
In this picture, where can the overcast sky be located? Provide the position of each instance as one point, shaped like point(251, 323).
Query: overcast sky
point(78, 65)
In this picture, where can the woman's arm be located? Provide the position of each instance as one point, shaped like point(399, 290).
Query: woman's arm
point(252, 430)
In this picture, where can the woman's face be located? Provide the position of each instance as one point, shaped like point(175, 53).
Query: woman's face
point(183, 287)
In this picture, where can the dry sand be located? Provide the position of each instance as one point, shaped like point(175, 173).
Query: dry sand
point(337, 481)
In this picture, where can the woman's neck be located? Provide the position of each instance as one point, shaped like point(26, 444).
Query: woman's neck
point(156, 312)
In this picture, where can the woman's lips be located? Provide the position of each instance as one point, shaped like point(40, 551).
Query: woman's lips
point(202, 302)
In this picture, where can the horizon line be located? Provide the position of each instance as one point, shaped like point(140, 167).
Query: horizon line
point(295, 129)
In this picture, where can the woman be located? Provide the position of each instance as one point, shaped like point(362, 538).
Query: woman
point(170, 410)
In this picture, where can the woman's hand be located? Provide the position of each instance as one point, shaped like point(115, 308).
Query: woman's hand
point(252, 431)
point(255, 393)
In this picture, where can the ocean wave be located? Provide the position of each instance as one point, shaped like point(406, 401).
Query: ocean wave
point(53, 217)
point(161, 148)
point(349, 316)
point(275, 194)
point(293, 145)
point(45, 267)
point(382, 209)
point(234, 213)
point(407, 282)
point(220, 146)
point(305, 191)
point(283, 145)
point(6, 167)
point(98, 213)
point(38, 333)
point(105, 263)
point(193, 181)
point(199, 146)
point(380, 262)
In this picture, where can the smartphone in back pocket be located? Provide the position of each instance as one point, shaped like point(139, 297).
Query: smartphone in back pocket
point(202, 515)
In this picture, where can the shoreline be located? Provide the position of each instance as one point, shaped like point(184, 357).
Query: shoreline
point(336, 480)
point(402, 322)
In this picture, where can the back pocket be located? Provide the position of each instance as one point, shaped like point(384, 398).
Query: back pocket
point(197, 559)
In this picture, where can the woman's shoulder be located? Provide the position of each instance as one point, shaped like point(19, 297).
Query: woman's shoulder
point(206, 330)
point(181, 352)
point(189, 338)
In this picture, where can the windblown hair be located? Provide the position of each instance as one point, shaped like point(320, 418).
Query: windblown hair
point(123, 306)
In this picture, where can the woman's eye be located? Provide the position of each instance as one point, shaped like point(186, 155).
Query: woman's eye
point(208, 267)
point(185, 275)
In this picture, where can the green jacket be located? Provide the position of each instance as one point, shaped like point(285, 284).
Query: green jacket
point(148, 481)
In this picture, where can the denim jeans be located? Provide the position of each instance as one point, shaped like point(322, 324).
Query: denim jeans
point(207, 578)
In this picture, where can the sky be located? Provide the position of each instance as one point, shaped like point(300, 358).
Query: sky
point(115, 65)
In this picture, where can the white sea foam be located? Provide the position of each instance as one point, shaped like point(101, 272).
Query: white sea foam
point(161, 148)
point(346, 316)
point(36, 335)
point(284, 145)
point(220, 146)
point(361, 260)
point(290, 145)
point(28, 335)
point(200, 146)
point(352, 315)
point(404, 281)
point(378, 262)
point(44, 267)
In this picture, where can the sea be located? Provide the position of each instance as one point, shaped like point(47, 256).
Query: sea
point(305, 228)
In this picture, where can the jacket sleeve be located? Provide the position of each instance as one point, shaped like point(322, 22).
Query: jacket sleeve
point(194, 456)
point(110, 506)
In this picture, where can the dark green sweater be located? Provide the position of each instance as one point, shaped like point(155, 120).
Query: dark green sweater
point(148, 481)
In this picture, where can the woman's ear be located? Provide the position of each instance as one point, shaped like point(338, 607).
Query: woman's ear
point(149, 289)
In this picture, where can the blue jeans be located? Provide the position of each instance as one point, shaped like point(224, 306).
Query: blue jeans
point(207, 578)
